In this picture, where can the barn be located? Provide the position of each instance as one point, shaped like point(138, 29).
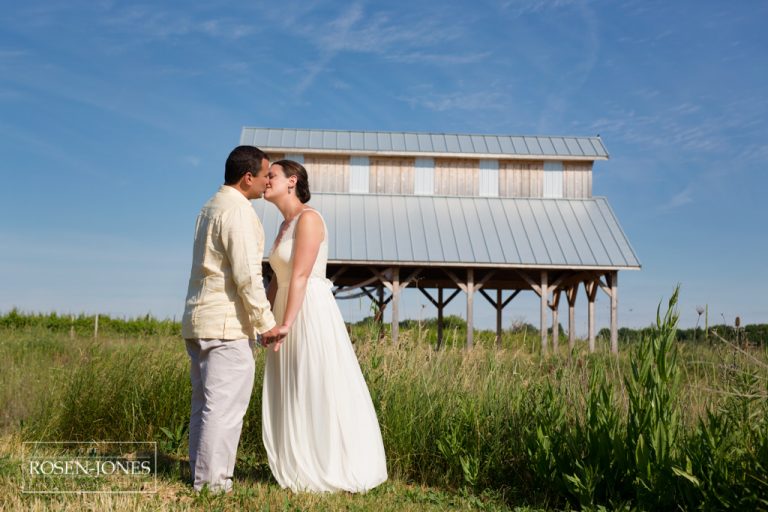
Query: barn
point(489, 216)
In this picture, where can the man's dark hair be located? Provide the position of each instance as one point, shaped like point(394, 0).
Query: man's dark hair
point(241, 160)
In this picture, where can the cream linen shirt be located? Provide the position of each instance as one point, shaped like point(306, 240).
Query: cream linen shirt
point(226, 297)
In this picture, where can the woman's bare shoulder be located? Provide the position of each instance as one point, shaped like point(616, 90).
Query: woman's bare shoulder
point(310, 223)
point(312, 210)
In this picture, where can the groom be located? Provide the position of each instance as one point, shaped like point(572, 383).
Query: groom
point(225, 311)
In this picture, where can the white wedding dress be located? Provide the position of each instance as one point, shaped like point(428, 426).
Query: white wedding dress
point(318, 422)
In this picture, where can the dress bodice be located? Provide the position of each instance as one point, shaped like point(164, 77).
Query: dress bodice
point(281, 257)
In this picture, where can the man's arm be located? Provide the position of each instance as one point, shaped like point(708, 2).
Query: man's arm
point(243, 240)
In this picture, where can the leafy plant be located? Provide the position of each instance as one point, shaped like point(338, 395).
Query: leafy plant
point(173, 438)
point(653, 418)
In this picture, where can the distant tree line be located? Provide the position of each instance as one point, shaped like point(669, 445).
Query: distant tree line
point(84, 325)
point(147, 325)
point(752, 334)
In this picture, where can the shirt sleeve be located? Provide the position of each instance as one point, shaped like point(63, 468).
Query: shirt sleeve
point(243, 239)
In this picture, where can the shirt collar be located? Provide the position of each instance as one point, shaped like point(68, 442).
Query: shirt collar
point(233, 193)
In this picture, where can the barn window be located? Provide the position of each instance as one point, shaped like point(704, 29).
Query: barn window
point(553, 179)
point(425, 176)
point(489, 178)
point(359, 170)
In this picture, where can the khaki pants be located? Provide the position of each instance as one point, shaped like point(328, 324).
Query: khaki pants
point(222, 373)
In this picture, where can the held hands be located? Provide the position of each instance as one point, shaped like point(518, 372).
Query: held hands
point(275, 336)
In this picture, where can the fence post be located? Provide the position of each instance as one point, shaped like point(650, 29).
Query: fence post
point(71, 326)
point(96, 327)
point(706, 322)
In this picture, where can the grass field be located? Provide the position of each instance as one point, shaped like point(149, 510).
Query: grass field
point(665, 425)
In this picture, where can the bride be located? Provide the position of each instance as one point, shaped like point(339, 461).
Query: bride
point(318, 422)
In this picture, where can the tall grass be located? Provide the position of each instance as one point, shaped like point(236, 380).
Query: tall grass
point(665, 425)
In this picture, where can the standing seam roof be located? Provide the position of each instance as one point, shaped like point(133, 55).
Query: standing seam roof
point(293, 139)
point(592, 217)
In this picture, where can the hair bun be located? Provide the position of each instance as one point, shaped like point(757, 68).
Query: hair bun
point(293, 168)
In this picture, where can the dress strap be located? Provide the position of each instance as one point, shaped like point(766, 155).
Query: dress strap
point(308, 209)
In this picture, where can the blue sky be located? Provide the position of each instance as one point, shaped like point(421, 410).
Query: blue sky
point(116, 118)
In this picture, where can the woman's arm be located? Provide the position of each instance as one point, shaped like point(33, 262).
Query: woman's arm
point(307, 239)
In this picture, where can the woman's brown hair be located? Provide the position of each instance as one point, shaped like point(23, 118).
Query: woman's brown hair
point(291, 168)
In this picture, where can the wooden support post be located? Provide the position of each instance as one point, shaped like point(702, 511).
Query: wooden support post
point(543, 319)
point(614, 276)
point(591, 323)
point(470, 307)
point(469, 287)
point(395, 304)
point(440, 306)
point(96, 327)
point(498, 317)
point(499, 305)
point(380, 305)
point(570, 294)
point(555, 320)
point(542, 290)
point(591, 288)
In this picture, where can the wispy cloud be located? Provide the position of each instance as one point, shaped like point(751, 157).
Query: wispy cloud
point(687, 125)
point(312, 71)
point(340, 85)
point(192, 160)
point(685, 108)
point(353, 30)
point(12, 53)
point(678, 200)
point(147, 21)
point(41, 145)
point(438, 58)
point(519, 7)
point(575, 74)
point(236, 66)
point(756, 152)
point(648, 40)
point(8, 94)
point(158, 24)
point(470, 100)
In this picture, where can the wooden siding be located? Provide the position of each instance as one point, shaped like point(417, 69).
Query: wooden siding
point(521, 178)
point(452, 176)
point(577, 179)
point(457, 177)
point(392, 175)
point(327, 173)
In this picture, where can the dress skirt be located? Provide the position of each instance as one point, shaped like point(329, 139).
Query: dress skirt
point(319, 425)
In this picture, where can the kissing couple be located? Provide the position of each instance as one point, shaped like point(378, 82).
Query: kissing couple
point(319, 426)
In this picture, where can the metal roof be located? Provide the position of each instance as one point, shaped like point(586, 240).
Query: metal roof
point(424, 144)
point(462, 231)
